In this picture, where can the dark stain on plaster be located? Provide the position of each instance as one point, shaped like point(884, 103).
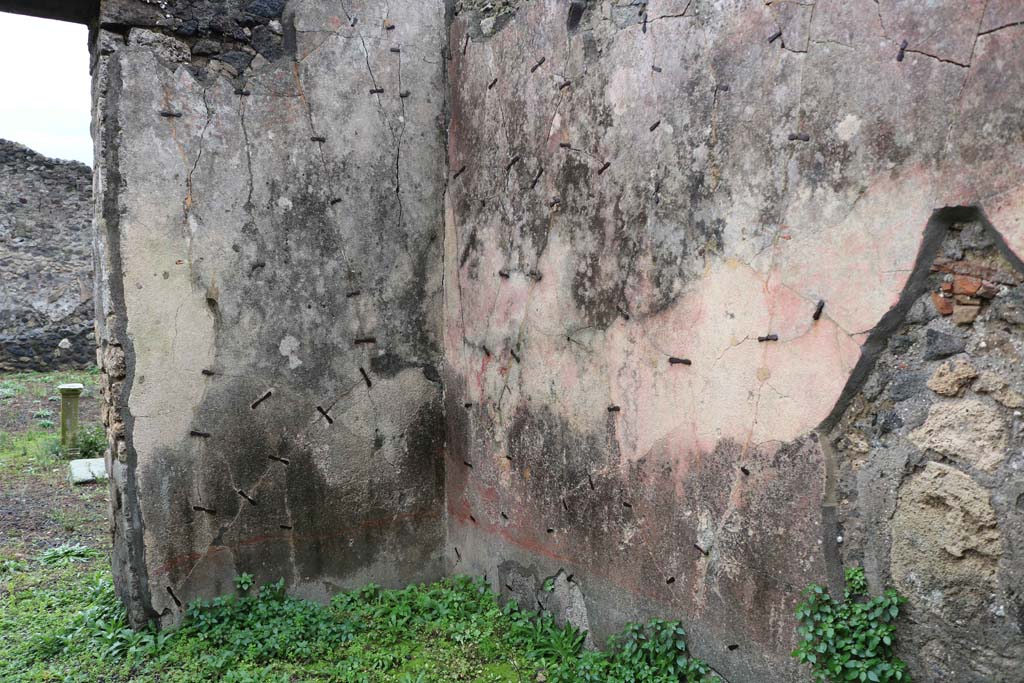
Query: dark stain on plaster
point(566, 495)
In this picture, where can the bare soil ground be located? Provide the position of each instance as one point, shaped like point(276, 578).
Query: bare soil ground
point(39, 509)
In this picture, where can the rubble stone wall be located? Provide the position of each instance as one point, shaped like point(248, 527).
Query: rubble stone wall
point(931, 497)
point(46, 263)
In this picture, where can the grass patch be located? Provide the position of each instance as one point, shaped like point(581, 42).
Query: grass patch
point(61, 621)
point(29, 452)
point(43, 385)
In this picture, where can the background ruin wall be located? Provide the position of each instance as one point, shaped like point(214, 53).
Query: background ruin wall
point(391, 290)
point(46, 262)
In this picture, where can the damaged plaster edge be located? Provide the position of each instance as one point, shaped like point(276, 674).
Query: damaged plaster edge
point(137, 583)
point(935, 231)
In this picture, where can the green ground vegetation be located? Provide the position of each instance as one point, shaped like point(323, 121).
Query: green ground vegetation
point(60, 621)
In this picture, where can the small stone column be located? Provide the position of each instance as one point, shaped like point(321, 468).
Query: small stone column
point(69, 394)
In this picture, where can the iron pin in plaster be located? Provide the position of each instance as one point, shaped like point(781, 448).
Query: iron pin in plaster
point(818, 309)
point(536, 178)
point(261, 399)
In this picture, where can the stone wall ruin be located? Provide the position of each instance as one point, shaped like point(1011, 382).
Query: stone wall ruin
point(46, 262)
point(683, 304)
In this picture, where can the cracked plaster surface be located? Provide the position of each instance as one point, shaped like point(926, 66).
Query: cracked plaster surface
point(663, 204)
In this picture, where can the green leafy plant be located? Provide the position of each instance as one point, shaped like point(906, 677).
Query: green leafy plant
point(92, 441)
point(244, 581)
point(263, 628)
point(655, 652)
point(852, 640)
point(67, 553)
point(10, 566)
point(10, 389)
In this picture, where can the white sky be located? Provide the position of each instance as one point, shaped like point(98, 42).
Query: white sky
point(44, 86)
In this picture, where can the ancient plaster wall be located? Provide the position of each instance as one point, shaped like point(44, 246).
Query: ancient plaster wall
point(667, 275)
point(678, 236)
point(269, 212)
point(46, 264)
